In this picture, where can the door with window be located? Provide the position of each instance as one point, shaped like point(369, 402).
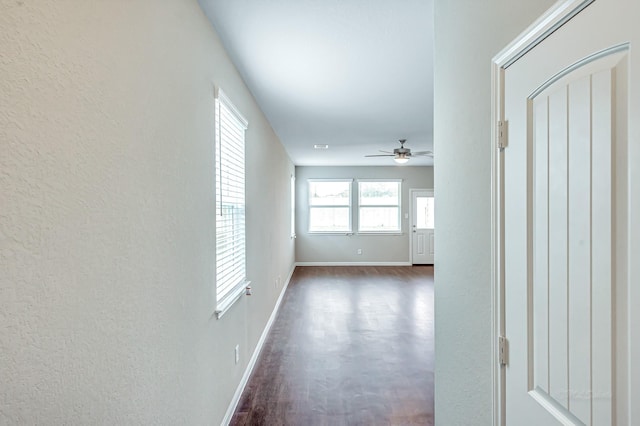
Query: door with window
point(422, 227)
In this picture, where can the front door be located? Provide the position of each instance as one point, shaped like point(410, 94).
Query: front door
point(571, 220)
point(422, 227)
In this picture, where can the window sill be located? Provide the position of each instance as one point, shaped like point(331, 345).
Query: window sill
point(345, 233)
point(388, 233)
point(223, 306)
point(350, 234)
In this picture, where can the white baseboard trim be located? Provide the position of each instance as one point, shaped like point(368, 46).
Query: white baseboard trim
point(256, 353)
point(353, 263)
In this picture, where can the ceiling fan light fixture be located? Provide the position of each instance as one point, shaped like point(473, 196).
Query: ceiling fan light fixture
point(401, 159)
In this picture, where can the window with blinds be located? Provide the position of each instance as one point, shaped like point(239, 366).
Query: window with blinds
point(230, 128)
point(293, 206)
point(330, 205)
point(379, 205)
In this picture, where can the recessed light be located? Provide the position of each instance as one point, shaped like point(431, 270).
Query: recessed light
point(320, 146)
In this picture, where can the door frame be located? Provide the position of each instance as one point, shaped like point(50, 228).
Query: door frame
point(559, 14)
point(411, 214)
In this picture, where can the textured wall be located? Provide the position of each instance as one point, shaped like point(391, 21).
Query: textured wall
point(342, 248)
point(468, 35)
point(106, 206)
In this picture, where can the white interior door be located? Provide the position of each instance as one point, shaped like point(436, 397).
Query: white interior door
point(422, 227)
point(571, 196)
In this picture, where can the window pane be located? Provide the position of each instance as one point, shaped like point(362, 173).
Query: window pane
point(425, 213)
point(379, 193)
point(379, 219)
point(329, 219)
point(329, 193)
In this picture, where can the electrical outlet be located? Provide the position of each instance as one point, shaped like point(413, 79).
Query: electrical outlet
point(237, 353)
point(359, 251)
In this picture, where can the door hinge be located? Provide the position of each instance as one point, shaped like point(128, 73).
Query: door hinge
point(503, 351)
point(503, 134)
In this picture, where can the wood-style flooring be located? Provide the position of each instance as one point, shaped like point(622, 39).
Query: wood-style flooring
point(350, 346)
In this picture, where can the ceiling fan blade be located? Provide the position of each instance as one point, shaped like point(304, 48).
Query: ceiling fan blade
point(402, 152)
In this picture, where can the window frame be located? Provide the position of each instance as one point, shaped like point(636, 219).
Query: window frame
point(398, 230)
point(224, 299)
point(349, 207)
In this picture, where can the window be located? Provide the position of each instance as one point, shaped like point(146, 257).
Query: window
point(330, 205)
point(293, 206)
point(379, 206)
point(425, 213)
point(230, 127)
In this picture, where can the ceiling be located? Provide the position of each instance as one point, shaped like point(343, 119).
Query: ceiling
point(356, 75)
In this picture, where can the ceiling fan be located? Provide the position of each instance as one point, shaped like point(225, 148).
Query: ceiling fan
point(401, 155)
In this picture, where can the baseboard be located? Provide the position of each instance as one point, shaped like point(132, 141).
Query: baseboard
point(353, 263)
point(256, 353)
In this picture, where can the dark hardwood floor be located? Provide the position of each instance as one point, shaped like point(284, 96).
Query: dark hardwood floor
point(350, 346)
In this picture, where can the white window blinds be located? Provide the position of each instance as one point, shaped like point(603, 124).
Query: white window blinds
point(230, 203)
point(330, 205)
point(379, 206)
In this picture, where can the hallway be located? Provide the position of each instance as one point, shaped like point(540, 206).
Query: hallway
point(350, 346)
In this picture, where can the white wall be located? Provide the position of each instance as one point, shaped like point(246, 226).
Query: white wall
point(106, 216)
point(342, 248)
point(467, 35)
